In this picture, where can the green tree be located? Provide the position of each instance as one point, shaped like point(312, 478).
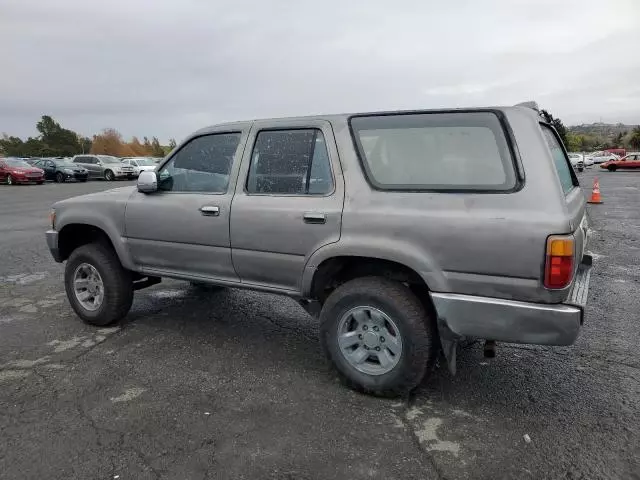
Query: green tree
point(56, 140)
point(634, 141)
point(11, 146)
point(617, 141)
point(85, 144)
point(156, 148)
point(555, 123)
point(574, 142)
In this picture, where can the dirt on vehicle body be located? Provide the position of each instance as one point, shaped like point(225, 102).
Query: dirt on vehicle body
point(404, 232)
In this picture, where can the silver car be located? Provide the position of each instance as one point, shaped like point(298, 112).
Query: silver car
point(402, 232)
point(106, 167)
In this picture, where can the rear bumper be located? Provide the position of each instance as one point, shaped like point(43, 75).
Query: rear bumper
point(52, 243)
point(514, 321)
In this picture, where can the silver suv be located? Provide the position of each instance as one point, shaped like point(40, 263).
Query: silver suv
point(403, 232)
point(105, 167)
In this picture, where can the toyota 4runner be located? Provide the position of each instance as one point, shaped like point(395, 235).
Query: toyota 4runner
point(403, 232)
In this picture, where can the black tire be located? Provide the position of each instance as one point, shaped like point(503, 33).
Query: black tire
point(82, 180)
point(109, 176)
point(40, 183)
point(417, 328)
point(117, 281)
point(60, 177)
point(612, 168)
point(10, 180)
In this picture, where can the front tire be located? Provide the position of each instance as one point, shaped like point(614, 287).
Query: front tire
point(99, 288)
point(612, 168)
point(378, 336)
point(60, 177)
point(109, 176)
point(10, 180)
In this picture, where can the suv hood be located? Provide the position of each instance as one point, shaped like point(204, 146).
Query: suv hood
point(25, 169)
point(113, 195)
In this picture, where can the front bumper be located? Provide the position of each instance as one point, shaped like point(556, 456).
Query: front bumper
point(25, 179)
point(514, 321)
point(76, 176)
point(52, 243)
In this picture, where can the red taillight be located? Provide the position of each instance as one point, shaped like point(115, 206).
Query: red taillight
point(558, 269)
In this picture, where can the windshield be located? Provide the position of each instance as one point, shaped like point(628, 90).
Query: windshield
point(14, 162)
point(108, 159)
point(145, 162)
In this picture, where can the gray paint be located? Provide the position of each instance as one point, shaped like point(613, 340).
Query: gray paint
point(469, 244)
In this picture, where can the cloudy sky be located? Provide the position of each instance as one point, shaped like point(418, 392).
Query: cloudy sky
point(168, 67)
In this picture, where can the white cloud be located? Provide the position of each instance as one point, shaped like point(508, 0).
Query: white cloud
point(168, 67)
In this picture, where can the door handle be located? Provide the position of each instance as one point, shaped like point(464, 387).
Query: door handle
point(314, 217)
point(210, 210)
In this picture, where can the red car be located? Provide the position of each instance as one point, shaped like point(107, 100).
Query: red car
point(14, 170)
point(629, 162)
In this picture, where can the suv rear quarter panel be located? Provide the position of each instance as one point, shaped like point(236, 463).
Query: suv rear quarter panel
point(490, 244)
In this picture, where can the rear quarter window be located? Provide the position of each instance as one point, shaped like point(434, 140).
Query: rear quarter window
point(567, 177)
point(461, 151)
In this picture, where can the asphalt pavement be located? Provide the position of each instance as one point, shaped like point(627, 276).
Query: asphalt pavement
point(232, 384)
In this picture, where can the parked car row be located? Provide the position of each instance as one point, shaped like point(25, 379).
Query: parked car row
point(630, 161)
point(15, 170)
point(78, 168)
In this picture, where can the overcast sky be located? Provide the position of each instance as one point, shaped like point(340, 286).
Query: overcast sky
point(168, 67)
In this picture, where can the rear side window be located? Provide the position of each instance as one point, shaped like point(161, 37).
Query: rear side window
point(568, 179)
point(464, 151)
point(290, 162)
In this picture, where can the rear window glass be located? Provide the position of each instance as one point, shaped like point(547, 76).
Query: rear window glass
point(565, 173)
point(435, 151)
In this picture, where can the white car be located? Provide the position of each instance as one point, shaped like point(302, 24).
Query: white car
point(577, 161)
point(601, 157)
point(140, 164)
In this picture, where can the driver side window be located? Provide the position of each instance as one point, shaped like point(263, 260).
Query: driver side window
point(202, 165)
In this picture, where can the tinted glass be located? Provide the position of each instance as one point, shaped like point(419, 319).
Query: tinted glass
point(565, 172)
point(108, 159)
point(202, 165)
point(290, 162)
point(440, 151)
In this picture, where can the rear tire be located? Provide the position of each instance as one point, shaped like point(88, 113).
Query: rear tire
point(60, 177)
point(416, 330)
point(117, 284)
point(109, 176)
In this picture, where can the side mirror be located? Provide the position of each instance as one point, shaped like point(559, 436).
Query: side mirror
point(147, 182)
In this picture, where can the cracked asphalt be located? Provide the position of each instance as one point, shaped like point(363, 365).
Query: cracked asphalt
point(232, 384)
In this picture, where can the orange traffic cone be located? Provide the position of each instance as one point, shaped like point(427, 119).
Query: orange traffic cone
point(595, 194)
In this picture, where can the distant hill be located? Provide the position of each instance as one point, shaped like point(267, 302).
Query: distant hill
point(601, 129)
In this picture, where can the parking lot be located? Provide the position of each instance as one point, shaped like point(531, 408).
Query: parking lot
point(233, 384)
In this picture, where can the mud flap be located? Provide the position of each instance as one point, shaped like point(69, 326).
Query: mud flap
point(449, 342)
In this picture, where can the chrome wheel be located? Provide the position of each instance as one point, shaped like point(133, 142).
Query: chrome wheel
point(369, 340)
point(9, 180)
point(88, 286)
